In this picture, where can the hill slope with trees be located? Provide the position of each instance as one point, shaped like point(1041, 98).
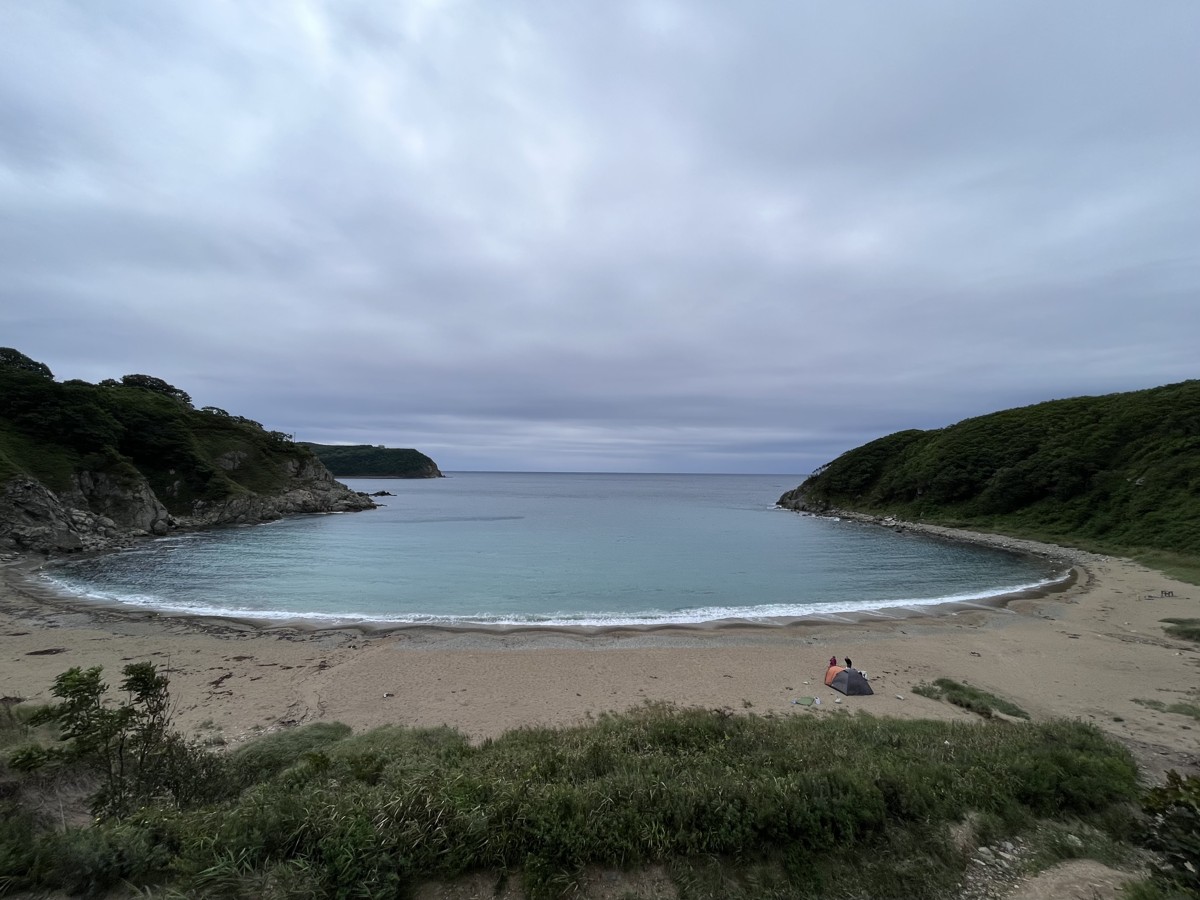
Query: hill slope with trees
point(83, 464)
point(1119, 472)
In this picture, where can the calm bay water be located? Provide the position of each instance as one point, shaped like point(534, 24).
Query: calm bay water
point(552, 549)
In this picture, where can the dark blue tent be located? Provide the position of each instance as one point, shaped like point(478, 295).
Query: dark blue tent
point(848, 681)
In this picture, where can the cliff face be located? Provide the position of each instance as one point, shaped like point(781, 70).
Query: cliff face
point(100, 512)
point(129, 502)
point(32, 517)
point(310, 488)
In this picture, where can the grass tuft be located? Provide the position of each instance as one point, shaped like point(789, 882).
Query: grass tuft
point(1184, 629)
point(978, 701)
point(1191, 710)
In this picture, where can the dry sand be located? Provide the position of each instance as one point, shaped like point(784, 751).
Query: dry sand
point(1092, 651)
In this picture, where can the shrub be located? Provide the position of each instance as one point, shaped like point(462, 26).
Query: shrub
point(273, 753)
point(18, 848)
point(131, 746)
point(1174, 831)
point(90, 861)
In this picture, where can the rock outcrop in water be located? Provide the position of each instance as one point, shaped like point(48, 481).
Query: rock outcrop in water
point(797, 499)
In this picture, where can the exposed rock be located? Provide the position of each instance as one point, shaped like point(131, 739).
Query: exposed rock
point(798, 500)
point(231, 460)
point(992, 872)
point(100, 512)
point(128, 502)
point(33, 518)
point(312, 490)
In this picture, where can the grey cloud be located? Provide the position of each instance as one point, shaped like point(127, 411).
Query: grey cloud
point(657, 235)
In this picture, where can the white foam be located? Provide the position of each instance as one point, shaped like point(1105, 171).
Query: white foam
point(836, 611)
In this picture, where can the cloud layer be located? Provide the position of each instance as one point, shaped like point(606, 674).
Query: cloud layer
point(652, 236)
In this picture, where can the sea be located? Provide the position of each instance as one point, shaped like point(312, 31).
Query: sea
point(551, 549)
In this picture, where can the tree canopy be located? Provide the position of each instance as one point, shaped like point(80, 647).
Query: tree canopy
point(50, 431)
point(150, 383)
point(17, 361)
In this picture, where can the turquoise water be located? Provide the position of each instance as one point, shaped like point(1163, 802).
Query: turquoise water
point(550, 549)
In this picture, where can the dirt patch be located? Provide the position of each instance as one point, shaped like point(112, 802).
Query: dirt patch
point(1155, 760)
point(1077, 879)
point(652, 883)
point(470, 887)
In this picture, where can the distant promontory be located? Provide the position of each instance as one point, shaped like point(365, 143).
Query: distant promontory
point(371, 461)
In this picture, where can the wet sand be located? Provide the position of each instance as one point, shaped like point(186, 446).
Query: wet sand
point(1092, 648)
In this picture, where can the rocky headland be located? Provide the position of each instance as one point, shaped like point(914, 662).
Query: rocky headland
point(98, 512)
point(86, 467)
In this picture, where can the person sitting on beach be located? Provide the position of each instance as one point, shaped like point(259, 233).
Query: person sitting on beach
point(849, 665)
point(832, 661)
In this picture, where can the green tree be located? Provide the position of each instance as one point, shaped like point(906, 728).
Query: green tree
point(131, 745)
point(15, 359)
point(150, 383)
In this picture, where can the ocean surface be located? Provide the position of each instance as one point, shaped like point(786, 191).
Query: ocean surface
point(550, 549)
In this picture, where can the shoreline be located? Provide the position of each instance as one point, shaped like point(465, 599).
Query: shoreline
point(1065, 559)
point(889, 611)
point(18, 574)
point(1091, 648)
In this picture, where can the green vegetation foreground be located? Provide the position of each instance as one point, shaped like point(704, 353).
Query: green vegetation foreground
point(804, 806)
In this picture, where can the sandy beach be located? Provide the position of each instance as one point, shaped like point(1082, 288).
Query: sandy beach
point(1092, 650)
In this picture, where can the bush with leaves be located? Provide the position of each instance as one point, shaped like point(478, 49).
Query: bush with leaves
point(131, 746)
point(1174, 831)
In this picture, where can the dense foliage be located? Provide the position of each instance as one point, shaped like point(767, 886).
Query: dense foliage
point(1119, 471)
point(131, 748)
point(829, 805)
point(50, 431)
point(364, 460)
point(1174, 831)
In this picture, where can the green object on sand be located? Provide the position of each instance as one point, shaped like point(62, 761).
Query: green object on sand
point(804, 701)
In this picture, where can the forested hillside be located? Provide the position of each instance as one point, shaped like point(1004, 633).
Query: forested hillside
point(363, 460)
point(91, 466)
point(1119, 471)
point(51, 431)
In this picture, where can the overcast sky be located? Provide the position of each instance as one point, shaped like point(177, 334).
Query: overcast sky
point(651, 236)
